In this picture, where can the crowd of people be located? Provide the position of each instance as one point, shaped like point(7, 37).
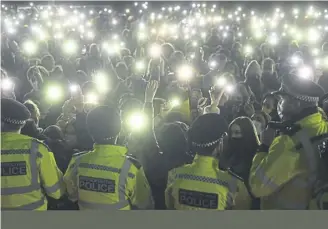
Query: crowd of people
point(187, 107)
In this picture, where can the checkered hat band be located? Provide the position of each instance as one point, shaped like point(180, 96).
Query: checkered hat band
point(205, 145)
point(305, 98)
point(13, 121)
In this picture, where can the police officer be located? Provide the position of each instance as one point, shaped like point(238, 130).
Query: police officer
point(106, 178)
point(28, 168)
point(286, 167)
point(201, 185)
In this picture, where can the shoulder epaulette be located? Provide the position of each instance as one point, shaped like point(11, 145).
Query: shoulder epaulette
point(235, 175)
point(42, 143)
point(291, 130)
point(80, 153)
point(134, 161)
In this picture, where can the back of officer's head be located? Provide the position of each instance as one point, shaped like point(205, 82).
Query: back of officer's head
point(13, 115)
point(205, 133)
point(104, 124)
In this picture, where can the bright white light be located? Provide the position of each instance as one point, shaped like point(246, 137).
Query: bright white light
point(92, 98)
point(229, 88)
point(305, 72)
point(175, 102)
point(21, 16)
point(136, 121)
point(194, 43)
point(315, 52)
point(140, 65)
point(90, 35)
point(273, 40)
point(221, 82)
point(31, 4)
point(185, 73)
point(127, 11)
point(70, 47)
point(135, 4)
point(142, 36)
point(258, 34)
point(295, 60)
point(44, 14)
point(73, 88)
point(6, 84)
point(11, 30)
point(248, 49)
point(101, 81)
point(295, 11)
point(240, 34)
point(212, 64)
point(203, 35)
point(82, 16)
point(193, 5)
point(114, 22)
point(30, 47)
point(317, 63)
point(155, 51)
point(313, 35)
point(54, 93)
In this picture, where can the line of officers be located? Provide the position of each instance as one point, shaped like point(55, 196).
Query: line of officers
point(107, 179)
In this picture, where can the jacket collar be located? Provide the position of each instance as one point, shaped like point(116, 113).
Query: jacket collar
point(308, 115)
point(200, 159)
point(109, 149)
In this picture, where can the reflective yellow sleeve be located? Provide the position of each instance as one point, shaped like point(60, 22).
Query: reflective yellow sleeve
point(169, 201)
point(243, 199)
point(70, 180)
point(50, 175)
point(142, 193)
point(271, 171)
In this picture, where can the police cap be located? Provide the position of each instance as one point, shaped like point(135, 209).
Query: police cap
point(303, 90)
point(206, 131)
point(103, 123)
point(14, 112)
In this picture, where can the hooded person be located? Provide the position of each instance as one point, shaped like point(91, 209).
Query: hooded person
point(54, 138)
point(269, 76)
point(253, 74)
point(48, 62)
point(173, 143)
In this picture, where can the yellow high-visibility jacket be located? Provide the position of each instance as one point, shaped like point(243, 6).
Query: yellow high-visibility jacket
point(283, 177)
point(107, 179)
point(28, 170)
point(202, 186)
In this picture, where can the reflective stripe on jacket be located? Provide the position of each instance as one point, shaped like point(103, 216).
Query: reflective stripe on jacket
point(202, 186)
point(106, 179)
point(284, 176)
point(28, 170)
